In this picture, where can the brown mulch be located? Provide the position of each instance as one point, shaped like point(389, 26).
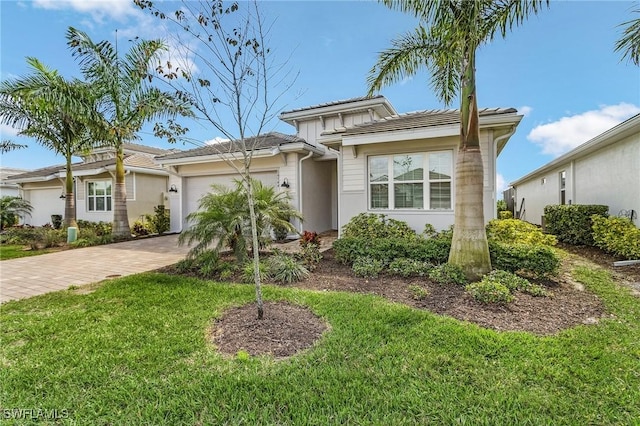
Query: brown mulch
point(288, 329)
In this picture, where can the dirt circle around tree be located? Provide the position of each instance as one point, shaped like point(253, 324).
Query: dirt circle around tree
point(285, 330)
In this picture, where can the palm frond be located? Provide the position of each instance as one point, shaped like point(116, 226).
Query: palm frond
point(629, 43)
point(8, 146)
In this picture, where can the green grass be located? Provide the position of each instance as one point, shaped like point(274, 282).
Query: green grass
point(135, 352)
point(14, 251)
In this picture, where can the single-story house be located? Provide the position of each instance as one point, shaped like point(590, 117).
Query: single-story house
point(604, 170)
point(348, 157)
point(9, 189)
point(94, 179)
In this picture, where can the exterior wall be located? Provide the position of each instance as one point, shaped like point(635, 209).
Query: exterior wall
point(354, 191)
point(150, 191)
point(317, 203)
point(310, 130)
point(608, 176)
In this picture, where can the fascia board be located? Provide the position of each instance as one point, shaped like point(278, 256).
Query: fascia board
point(212, 158)
point(313, 113)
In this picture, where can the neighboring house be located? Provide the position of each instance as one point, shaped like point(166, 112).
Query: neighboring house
point(604, 170)
point(9, 189)
point(94, 179)
point(353, 156)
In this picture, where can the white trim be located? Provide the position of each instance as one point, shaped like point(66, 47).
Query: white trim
point(86, 195)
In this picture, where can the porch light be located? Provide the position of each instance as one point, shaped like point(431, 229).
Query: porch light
point(62, 196)
point(173, 188)
point(285, 183)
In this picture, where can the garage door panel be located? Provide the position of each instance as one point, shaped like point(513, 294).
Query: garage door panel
point(45, 202)
point(198, 186)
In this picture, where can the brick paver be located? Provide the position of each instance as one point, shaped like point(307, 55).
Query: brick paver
point(31, 276)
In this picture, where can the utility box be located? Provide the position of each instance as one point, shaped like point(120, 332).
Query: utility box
point(72, 234)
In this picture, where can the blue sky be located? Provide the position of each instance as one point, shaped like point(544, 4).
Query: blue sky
point(558, 69)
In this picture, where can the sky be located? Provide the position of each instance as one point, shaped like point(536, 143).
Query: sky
point(558, 69)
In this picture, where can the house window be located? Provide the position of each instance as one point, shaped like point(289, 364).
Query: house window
point(563, 185)
point(99, 196)
point(399, 181)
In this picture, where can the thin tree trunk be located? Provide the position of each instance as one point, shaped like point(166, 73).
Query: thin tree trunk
point(120, 215)
point(469, 247)
point(255, 245)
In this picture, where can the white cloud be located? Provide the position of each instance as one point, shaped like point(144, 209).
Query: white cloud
point(563, 135)
point(99, 9)
point(525, 110)
point(216, 140)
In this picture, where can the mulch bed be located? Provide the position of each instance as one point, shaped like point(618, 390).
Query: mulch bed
point(287, 329)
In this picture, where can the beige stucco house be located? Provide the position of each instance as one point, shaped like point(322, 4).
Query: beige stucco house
point(94, 179)
point(352, 156)
point(604, 170)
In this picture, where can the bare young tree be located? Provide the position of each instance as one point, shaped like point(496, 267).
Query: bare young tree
point(225, 69)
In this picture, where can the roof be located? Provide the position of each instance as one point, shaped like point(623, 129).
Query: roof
point(130, 160)
point(379, 104)
point(334, 103)
point(266, 141)
point(625, 129)
point(415, 120)
point(145, 149)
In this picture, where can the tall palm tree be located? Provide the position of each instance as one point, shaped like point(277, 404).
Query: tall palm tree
point(445, 42)
point(52, 110)
point(629, 43)
point(127, 100)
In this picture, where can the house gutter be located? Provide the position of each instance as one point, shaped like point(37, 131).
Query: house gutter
point(496, 143)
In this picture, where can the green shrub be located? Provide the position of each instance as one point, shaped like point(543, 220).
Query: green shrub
point(206, 264)
point(141, 228)
point(516, 283)
point(310, 256)
point(367, 267)
point(19, 235)
point(51, 237)
point(489, 291)
point(247, 272)
point(448, 273)
point(434, 250)
point(518, 231)
point(159, 222)
point(418, 293)
point(505, 214)
point(285, 269)
point(410, 267)
point(616, 235)
point(538, 261)
point(97, 228)
point(373, 226)
point(572, 223)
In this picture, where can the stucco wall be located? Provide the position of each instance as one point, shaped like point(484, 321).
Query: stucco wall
point(317, 203)
point(353, 184)
point(45, 200)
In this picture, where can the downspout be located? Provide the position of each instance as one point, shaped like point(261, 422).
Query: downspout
point(495, 171)
point(309, 155)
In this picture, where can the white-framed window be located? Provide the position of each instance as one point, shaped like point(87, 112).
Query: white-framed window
point(399, 181)
point(99, 196)
point(563, 187)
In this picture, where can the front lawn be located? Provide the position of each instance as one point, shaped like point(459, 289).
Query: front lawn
point(136, 351)
point(14, 251)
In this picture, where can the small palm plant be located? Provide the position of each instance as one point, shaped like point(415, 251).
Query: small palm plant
point(11, 208)
point(223, 219)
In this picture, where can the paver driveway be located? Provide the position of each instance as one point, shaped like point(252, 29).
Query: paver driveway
point(30, 276)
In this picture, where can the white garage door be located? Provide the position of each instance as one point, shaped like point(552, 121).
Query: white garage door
point(45, 202)
point(198, 186)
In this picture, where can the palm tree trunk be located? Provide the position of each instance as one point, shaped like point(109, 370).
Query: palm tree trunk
point(120, 215)
point(70, 198)
point(469, 247)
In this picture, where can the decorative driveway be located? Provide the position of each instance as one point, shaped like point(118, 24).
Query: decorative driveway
point(31, 276)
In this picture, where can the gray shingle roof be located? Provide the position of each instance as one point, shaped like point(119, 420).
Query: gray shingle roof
point(340, 102)
point(415, 120)
point(268, 140)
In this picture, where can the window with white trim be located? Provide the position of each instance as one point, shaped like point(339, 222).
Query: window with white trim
point(399, 181)
point(99, 196)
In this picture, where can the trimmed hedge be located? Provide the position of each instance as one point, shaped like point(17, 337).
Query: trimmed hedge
point(373, 225)
point(537, 260)
point(434, 250)
point(572, 223)
point(617, 235)
point(518, 231)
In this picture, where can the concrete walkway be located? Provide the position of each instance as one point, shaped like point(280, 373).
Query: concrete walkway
point(31, 276)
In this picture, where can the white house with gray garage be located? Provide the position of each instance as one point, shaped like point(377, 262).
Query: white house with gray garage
point(94, 180)
point(604, 170)
point(352, 156)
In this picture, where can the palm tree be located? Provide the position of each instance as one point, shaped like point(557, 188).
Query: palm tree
point(126, 100)
point(629, 43)
point(8, 146)
point(54, 112)
point(223, 219)
point(10, 208)
point(446, 42)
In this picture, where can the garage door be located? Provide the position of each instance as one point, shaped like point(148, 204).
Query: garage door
point(198, 186)
point(45, 202)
